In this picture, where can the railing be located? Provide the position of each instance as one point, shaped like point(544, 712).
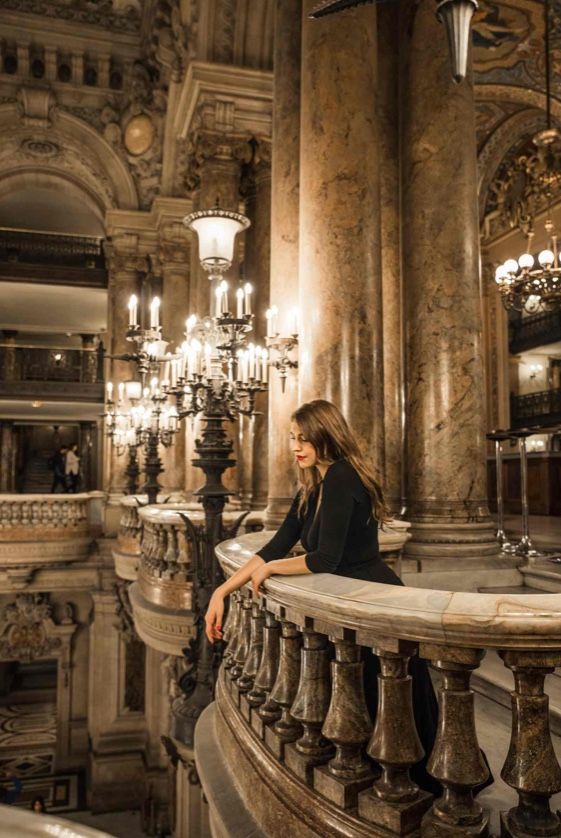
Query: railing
point(48, 364)
point(291, 712)
point(537, 330)
point(51, 248)
point(543, 408)
point(40, 530)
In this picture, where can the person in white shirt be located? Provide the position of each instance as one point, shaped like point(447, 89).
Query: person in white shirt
point(72, 468)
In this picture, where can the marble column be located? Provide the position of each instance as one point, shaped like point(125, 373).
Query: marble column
point(495, 334)
point(175, 264)
point(89, 359)
point(340, 274)
point(445, 403)
point(392, 294)
point(257, 271)
point(285, 215)
point(124, 272)
point(7, 457)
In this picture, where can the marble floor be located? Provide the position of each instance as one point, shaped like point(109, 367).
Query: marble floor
point(545, 530)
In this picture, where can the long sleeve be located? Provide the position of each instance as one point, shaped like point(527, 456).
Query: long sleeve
point(336, 510)
point(286, 536)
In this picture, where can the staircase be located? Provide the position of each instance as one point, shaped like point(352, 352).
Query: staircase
point(38, 476)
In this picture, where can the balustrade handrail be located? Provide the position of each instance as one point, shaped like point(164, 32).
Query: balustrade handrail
point(56, 514)
point(453, 618)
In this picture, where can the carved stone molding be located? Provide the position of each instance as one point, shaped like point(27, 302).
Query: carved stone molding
point(28, 631)
point(165, 630)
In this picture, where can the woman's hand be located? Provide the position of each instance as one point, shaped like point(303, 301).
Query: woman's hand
point(259, 575)
point(214, 616)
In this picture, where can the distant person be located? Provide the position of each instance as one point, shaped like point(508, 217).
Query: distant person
point(58, 465)
point(10, 788)
point(72, 468)
point(38, 805)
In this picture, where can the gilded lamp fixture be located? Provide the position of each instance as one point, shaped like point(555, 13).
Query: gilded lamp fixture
point(529, 283)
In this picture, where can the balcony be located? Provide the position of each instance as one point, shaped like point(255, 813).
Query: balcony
point(39, 532)
point(537, 330)
point(51, 257)
point(536, 409)
point(288, 747)
point(59, 374)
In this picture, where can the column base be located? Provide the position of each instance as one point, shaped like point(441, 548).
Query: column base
point(276, 511)
point(457, 556)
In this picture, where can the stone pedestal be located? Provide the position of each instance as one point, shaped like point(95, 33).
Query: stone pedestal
point(340, 278)
point(285, 213)
point(445, 401)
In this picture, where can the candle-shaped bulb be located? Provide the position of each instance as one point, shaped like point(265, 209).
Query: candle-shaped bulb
point(155, 313)
point(109, 390)
point(224, 298)
point(121, 391)
point(265, 366)
point(269, 316)
point(247, 289)
point(133, 310)
point(294, 317)
point(239, 303)
point(190, 324)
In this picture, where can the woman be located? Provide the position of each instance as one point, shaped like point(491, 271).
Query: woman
point(38, 805)
point(72, 468)
point(335, 515)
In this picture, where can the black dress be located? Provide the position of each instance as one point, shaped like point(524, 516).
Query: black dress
point(342, 538)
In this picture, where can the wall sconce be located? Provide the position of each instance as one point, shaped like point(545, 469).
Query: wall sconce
point(283, 346)
point(535, 370)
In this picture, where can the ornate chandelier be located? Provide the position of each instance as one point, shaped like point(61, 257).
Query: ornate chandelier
point(528, 283)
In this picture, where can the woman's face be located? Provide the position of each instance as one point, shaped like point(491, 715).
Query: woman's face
point(304, 451)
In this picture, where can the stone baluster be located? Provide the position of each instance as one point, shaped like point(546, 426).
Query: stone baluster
point(456, 760)
point(348, 727)
point(259, 697)
point(253, 660)
point(310, 708)
point(285, 729)
point(232, 628)
point(171, 553)
point(244, 632)
point(531, 767)
point(395, 801)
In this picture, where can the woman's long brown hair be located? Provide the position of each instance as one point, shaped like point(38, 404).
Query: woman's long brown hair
point(323, 425)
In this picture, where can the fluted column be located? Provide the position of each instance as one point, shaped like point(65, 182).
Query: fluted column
point(388, 112)
point(257, 271)
point(445, 465)
point(174, 260)
point(123, 281)
point(340, 277)
point(285, 214)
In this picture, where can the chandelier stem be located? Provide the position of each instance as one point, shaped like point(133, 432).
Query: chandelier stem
point(547, 63)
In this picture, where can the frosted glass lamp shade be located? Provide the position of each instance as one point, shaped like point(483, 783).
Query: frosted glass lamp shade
point(217, 230)
point(511, 266)
point(133, 390)
point(456, 16)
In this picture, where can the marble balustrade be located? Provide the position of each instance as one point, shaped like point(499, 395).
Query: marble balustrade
point(291, 718)
point(41, 529)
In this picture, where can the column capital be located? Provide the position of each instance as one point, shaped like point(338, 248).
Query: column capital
point(220, 147)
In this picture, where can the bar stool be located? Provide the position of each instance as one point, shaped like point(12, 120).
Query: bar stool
point(525, 546)
point(499, 436)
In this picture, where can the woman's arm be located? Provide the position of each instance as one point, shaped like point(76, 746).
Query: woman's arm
point(283, 567)
point(286, 536)
point(215, 611)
